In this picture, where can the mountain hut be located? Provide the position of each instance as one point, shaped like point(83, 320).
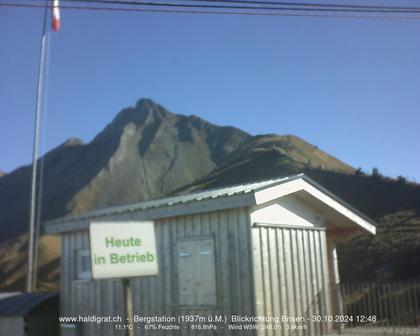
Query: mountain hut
point(264, 249)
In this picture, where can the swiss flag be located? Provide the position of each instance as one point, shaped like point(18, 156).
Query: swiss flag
point(55, 15)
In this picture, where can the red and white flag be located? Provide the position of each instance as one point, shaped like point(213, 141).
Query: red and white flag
point(55, 17)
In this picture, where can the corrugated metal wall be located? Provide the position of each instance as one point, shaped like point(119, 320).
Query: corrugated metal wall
point(158, 295)
point(291, 276)
point(84, 298)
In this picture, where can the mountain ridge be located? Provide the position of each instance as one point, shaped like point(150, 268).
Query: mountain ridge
point(148, 152)
point(145, 141)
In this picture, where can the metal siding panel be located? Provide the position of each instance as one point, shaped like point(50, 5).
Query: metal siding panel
point(244, 232)
point(290, 293)
point(258, 274)
point(146, 296)
point(159, 280)
point(74, 296)
point(79, 286)
point(178, 233)
point(171, 277)
point(295, 268)
point(308, 280)
point(155, 282)
point(12, 325)
point(88, 291)
point(282, 276)
point(64, 276)
point(272, 279)
point(143, 296)
point(274, 272)
point(224, 262)
point(118, 291)
point(186, 222)
point(97, 304)
point(205, 224)
point(114, 290)
point(235, 281)
point(190, 267)
point(265, 258)
point(290, 272)
point(302, 274)
point(194, 224)
point(324, 262)
point(211, 220)
point(136, 303)
point(320, 280)
point(71, 267)
point(166, 268)
point(315, 282)
point(152, 294)
point(93, 305)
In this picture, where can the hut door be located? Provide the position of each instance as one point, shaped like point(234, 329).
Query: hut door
point(196, 272)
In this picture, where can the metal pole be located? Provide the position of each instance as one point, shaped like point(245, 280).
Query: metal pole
point(128, 303)
point(40, 190)
point(32, 214)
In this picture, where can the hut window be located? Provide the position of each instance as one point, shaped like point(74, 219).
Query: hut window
point(83, 270)
point(196, 272)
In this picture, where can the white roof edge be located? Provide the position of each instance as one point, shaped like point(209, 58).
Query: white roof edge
point(304, 183)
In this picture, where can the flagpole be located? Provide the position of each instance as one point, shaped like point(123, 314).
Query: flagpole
point(32, 213)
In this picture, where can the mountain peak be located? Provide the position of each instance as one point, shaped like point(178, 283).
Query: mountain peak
point(72, 142)
point(143, 112)
point(147, 104)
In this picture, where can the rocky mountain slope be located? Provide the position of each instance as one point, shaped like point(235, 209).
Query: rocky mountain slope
point(147, 152)
point(144, 153)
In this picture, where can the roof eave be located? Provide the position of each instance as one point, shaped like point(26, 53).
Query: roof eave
point(304, 183)
point(181, 209)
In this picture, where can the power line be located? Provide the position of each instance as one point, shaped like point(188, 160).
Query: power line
point(303, 13)
point(303, 4)
point(257, 5)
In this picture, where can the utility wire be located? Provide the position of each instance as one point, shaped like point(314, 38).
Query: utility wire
point(301, 4)
point(297, 12)
point(290, 7)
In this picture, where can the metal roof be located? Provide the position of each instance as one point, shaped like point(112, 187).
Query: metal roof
point(182, 199)
point(210, 194)
point(20, 304)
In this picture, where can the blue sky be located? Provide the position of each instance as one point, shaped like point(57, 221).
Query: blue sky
point(349, 86)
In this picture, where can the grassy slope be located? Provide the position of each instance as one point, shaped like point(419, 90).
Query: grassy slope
point(13, 263)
